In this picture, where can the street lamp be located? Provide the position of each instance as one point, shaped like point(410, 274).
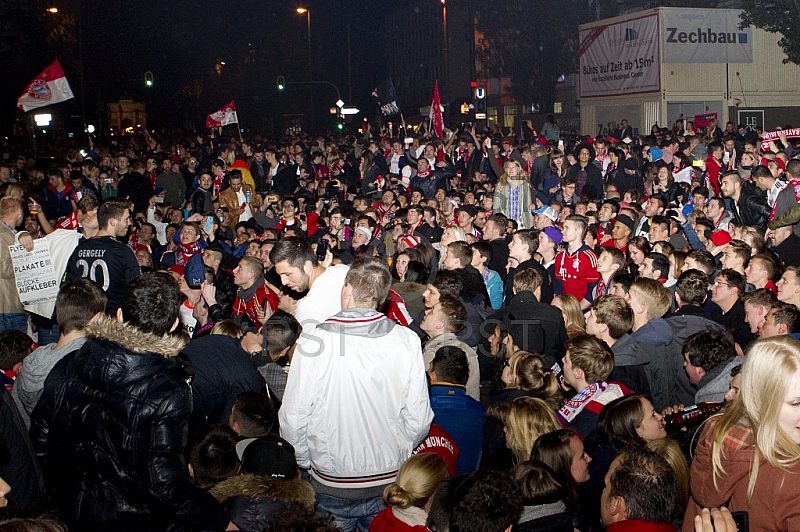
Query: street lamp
point(307, 13)
point(53, 10)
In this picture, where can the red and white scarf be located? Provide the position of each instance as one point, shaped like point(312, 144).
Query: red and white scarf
point(185, 252)
point(573, 407)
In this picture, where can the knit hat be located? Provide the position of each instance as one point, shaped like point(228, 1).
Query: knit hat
point(720, 237)
point(631, 164)
point(656, 154)
point(411, 241)
point(268, 456)
point(554, 235)
point(366, 231)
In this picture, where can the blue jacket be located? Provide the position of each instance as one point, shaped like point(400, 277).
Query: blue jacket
point(462, 417)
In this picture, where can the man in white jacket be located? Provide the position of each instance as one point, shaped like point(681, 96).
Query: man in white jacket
point(356, 401)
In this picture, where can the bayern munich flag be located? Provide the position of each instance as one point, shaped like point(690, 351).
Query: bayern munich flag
point(223, 117)
point(49, 87)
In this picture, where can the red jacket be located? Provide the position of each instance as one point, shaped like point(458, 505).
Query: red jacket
point(387, 522)
point(249, 307)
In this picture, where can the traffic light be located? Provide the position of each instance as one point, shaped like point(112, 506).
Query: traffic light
point(281, 83)
point(340, 125)
point(148, 78)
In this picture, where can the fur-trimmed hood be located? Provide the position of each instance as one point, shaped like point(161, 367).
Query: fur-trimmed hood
point(131, 338)
point(259, 487)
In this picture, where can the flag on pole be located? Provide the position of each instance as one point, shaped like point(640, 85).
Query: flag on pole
point(223, 117)
point(436, 112)
point(49, 87)
point(386, 97)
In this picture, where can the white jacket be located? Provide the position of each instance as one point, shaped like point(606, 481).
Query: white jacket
point(356, 402)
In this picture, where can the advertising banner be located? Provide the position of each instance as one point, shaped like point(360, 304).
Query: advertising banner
point(620, 58)
point(705, 36)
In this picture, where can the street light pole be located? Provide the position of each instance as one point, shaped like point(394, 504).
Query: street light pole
point(446, 61)
point(303, 10)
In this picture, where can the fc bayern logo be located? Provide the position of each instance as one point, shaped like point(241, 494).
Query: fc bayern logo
point(39, 90)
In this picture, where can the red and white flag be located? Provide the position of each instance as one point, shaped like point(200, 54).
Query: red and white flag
point(436, 112)
point(223, 117)
point(47, 88)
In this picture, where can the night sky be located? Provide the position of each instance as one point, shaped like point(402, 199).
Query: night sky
point(183, 42)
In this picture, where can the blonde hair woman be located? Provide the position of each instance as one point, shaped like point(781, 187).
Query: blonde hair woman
point(513, 196)
point(409, 498)
point(756, 438)
point(573, 316)
point(451, 234)
point(526, 420)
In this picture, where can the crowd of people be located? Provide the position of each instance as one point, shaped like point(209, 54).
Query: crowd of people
point(498, 330)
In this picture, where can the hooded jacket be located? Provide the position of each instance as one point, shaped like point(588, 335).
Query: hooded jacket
point(714, 384)
point(686, 321)
point(630, 360)
point(356, 403)
point(35, 369)
point(110, 433)
point(253, 501)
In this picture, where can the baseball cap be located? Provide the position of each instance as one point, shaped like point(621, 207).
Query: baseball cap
point(547, 211)
point(554, 235)
point(776, 160)
point(268, 456)
point(626, 221)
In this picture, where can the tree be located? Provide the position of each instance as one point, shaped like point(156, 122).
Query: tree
point(776, 16)
point(535, 42)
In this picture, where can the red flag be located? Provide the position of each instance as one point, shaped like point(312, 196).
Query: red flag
point(436, 112)
point(223, 117)
point(49, 87)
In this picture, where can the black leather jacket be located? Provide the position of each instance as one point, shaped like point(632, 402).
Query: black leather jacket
point(751, 209)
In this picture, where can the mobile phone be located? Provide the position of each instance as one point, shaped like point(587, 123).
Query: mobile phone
point(322, 249)
point(742, 520)
point(109, 180)
point(207, 227)
point(346, 221)
point(159, 199)
point(560, 143)
point(697, 163)
point(408, 140)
